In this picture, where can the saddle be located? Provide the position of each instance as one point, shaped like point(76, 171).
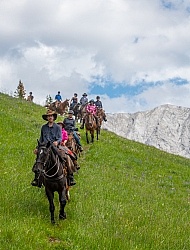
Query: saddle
point(68, 152)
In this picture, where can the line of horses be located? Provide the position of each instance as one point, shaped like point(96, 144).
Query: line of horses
point(55, 164)
point(91, 125)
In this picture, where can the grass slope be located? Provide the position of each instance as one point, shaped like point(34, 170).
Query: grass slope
point(128, 195)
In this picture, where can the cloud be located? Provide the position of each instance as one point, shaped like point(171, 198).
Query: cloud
point(77, 46)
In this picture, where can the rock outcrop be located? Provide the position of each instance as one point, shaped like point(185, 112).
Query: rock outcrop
point(166, 127)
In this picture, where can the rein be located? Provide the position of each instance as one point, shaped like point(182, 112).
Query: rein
point(45, 173)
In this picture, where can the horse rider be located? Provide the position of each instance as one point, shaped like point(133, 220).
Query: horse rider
point(49, 132)
point(58, 98)
point(90, 108)
point(98, 103)
point(83, 100)
point(69, 123)
point(74, 101)
point(30, 97)
point(71, 158)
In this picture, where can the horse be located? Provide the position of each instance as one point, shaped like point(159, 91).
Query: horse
point(76, 109)
point(100, 113)
point(54, 177)
point(90, 126)
point(72, 144)
point(59, 107)
point(82, 112)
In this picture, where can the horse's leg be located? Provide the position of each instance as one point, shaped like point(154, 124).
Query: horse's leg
point(97, 132)
point(92, 135)
point(50, 196)
point(87, 140)
point(62, 202)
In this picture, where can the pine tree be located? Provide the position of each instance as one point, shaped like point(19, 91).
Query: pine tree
point(49, 100)
point(20, 91)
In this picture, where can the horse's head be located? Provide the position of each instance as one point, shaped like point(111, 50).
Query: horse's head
point(67, 102)
point(43, 155)
point(89, 119)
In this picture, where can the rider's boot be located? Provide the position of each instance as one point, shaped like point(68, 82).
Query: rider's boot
point(36, 179)
point(80, 148)
point(72, 182)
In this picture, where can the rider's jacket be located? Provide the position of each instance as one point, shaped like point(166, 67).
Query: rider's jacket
point(50, 133)
point(64, 134)
point(98, 104)
point(83, 100)
point(74, 100)
point(58, 98)
point(91, 109)
point(69, 124)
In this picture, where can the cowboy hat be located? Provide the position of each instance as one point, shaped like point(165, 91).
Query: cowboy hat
point(61, 123)
point(84, 94)
point(49, 112)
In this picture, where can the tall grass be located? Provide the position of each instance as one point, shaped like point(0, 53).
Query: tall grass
point(128, 195)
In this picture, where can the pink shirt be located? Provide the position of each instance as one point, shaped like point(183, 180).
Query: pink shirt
point(91, 109)
point(64, 135)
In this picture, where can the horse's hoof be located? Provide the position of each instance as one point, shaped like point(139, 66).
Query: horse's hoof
point(62, 217)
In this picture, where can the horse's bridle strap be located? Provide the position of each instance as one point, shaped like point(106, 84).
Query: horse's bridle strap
point(54, 179)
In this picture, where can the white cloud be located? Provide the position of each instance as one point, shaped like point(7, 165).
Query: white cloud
point(61, 45)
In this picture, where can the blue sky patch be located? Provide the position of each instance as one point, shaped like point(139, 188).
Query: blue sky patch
point(113, 89)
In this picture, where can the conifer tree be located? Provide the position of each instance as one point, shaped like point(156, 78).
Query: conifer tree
point(49, 100)
point(20, 91)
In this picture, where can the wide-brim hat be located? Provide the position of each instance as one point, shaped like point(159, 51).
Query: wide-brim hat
point(84, 94)
point(62, 124)
point(49, 112)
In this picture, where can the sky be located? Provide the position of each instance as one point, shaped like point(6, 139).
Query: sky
point(134, 54)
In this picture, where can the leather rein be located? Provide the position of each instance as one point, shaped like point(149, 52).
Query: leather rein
point(45, 172)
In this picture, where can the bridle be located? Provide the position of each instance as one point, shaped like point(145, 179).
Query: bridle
point(44, 163)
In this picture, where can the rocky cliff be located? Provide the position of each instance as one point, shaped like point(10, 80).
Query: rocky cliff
point(166, 127)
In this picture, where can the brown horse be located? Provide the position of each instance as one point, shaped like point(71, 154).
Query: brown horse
point(82, 112)
point(100, 113)
point(90, 126)
point(72, 144)
point(59, 107)
point(76, 109)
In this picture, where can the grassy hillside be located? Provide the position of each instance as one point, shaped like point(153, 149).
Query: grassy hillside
point(128, 195)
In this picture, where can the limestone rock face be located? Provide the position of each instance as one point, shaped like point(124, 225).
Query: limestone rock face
point(166, 127)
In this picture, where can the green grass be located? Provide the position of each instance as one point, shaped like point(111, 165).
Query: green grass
point(128, 195)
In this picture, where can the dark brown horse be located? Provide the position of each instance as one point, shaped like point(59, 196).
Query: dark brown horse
point(101, 115)
point(53, 173)
point(59, 107)
point(91, 126)
point(72, 144)
point(76, 109)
